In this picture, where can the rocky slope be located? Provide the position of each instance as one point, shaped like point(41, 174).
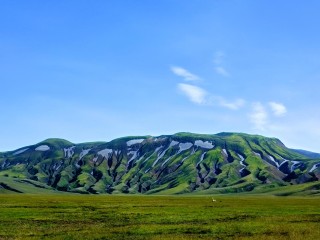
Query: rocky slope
point(179, 163)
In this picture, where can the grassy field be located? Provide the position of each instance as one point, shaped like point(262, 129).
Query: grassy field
point(25, 216)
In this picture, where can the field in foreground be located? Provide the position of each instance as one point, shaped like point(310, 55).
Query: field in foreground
point(158, 217)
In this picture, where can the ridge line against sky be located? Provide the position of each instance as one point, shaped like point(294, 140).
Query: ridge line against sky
point(88, 71)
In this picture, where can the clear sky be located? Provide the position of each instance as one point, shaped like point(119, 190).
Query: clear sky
point(97, 70)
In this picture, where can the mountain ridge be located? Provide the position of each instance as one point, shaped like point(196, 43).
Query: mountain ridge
point(179, 163)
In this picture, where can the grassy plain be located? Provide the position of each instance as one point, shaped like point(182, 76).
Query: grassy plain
point(26, 216)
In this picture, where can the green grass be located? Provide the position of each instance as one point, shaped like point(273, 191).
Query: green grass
point(158, 217)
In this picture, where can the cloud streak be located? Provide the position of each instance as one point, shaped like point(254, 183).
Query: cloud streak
point(218, 60)
point(258, 116)
point(278, 109)
point(195, 94)
point(235, 105)
point(221, 71)
point(181, 72)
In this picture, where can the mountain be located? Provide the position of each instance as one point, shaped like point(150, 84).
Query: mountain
point(169, 164)
point(307, 153)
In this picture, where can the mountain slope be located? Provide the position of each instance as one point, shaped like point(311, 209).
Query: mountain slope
point(179, 163)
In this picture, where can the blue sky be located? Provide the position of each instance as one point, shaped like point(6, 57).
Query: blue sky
point(97, 70)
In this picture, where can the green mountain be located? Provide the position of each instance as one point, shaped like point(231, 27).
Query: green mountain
point(170, 164)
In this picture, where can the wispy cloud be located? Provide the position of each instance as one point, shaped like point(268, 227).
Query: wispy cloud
point(235, 105)
point(278, 109)
point(221, 71)
point(259, 116)
point(181, 72)
point(218, 62)
point(194, 93)
point(199, 95)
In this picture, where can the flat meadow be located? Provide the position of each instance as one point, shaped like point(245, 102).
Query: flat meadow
point(24, 216)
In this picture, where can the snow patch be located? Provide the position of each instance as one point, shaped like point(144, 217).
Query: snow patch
point(134, 141)
point(225, 152)
point(56, 166)
point(273, 160)
point(294, 165)
point(184, 146)
point(184, 159)
point(241, 162)
point(314, 167)
point(193, 152)
point(20, 151)
point(134, 155)
point(285, 160)
point(160, 155)
point(155, 151)
point(168, 159)
point(3, 164)
point(257, 154)
point(158, 149)
point(105, 153)
point(206, 144)
point(201, 158)
point(173, 143)
point(141, 157)
point(68, 152)
point(43, 148)
point(84, 152)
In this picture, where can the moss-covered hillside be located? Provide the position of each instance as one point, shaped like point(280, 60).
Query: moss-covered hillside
point(180, 163)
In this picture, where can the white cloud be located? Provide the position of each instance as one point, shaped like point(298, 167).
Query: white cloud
point(221, 71)
point(259, 116)
point(278, 109)
point(218, 60)
point(194, 93)
point(232, 105)
point(181, 72)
